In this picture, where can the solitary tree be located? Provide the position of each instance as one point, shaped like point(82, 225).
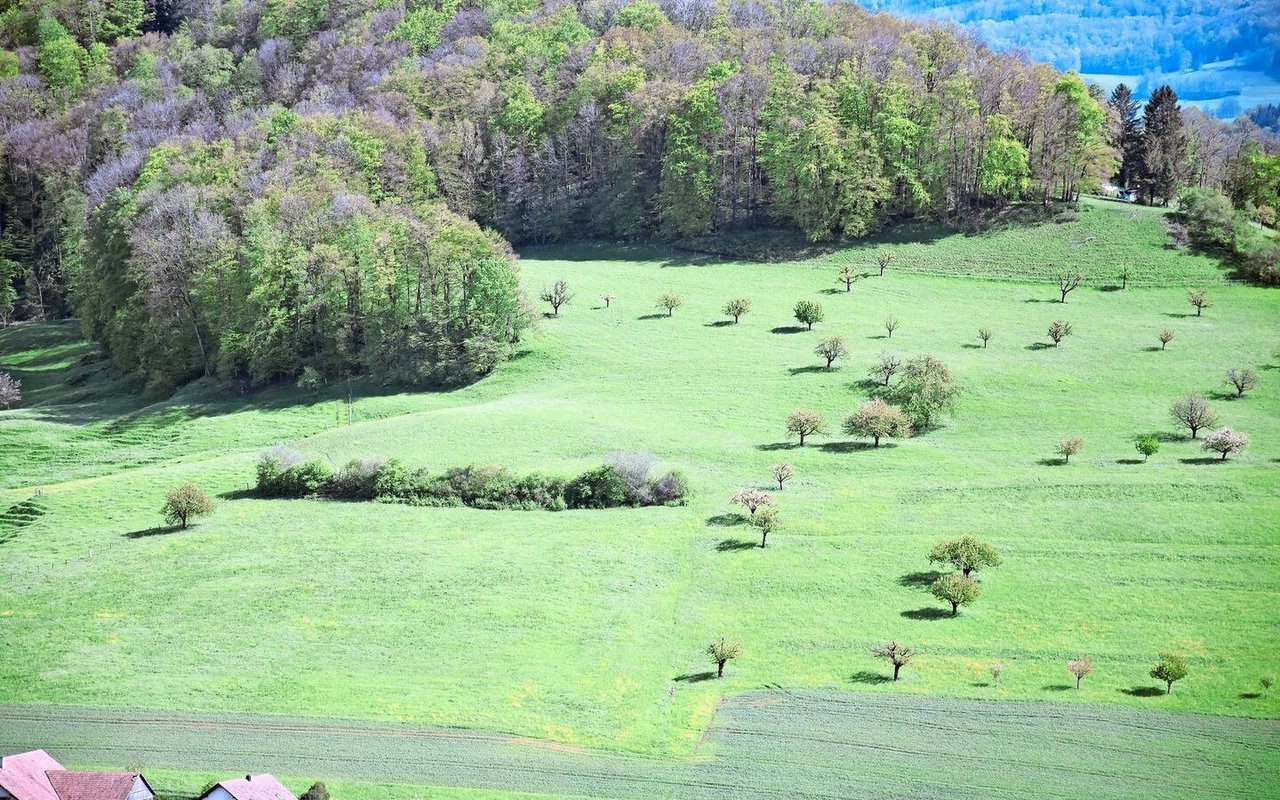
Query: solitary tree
point(767, 521)
point(670, 301)
point(607, 298)
point(1166, 336)
point(1068, 282)
point(926, 391)
point(1059, 331)
point(876, 419)
point(1200, 299)
point(1124, 278)
point(1171, 668)
point(1266, 682)
point(1069, 447)
point(849, 276)
point(1194, 413)
point(809, 312)
point(557, 296)
point(752, 499)
point(804, 423)
point(958, 590)
point(832, 349)
point(966, 554)
point(890, 325)
point(996, 670)
point(1226, 441)
point(883, 259)
point(1147, 445)
point(10, 390)
point(897, 655)
point(722, 652)
point(184, 504)
point(1080, 667)
point(736, 308)
point(1242, 379)
point(985, 335)
point(782, 472)
point(888, 366)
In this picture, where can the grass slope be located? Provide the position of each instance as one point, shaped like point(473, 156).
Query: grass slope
point(588, 627)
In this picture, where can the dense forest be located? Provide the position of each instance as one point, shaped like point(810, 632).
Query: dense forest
point(306, 189)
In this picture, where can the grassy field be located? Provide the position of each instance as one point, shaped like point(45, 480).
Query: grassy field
point(587, 627)
point(763, 744)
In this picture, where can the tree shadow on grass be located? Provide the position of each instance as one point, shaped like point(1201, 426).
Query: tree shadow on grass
point(777, 446)
point(1165, 436)
point(972, 347)
point(878, 336)
point(239, 494)
point(1151, 349)
point(1177, 315)
point(1143, 691)
point(695, 677)
point(806, 370)
point(980, 684)
point(723, 323)
point(735, 545)
point(849, 447)
point(653, 316)
point(1058, 687)
point(1052, 462)
point(928, 613)
point(158, 531)
point(1250, 695)
point(1224, 396)
point(869, 677)
point(788, 329)
point(1040, 346)
point(833, 291)
point(1130, 461)
point(919, 580)
point(1204, 460)
point(1110, 288)
point(727, 520)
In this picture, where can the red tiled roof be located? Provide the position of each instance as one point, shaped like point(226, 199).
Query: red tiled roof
point(258, 787)
point(92, 785)
point(23, 775)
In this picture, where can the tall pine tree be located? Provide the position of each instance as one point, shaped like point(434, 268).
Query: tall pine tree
point(1164, 147)
point(1126, 138)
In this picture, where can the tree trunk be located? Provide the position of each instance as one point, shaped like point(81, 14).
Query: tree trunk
point(764, 535)
point(1078, 682)
point(896, 667)
point(1064, 295)
point(810, 325)
point(720, 668)
point(876, 440)
point(955, 608)
point(1199, 309)
point(1224, 455)
point(802, 440)
point(1168, 687)
point(829, 360)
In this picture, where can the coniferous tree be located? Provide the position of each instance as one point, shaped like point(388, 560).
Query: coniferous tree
point(1126, 137)
point(1164, 147)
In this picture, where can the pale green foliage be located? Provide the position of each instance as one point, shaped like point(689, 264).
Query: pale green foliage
point(832, 349)
point(809, 312)
point(670, 301)
point(805, 423)
point(1171, 668)
point(876, 419)
point(722, 651)
point(926, 392)
point(766, 521)
point(185, 503)
point(956, 589)
point(1147, 445)
point(966, 554)
point(736, 308)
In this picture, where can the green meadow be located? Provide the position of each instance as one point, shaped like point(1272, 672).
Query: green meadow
point(588, 628)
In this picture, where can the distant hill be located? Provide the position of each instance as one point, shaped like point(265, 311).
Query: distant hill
point(1223, 56)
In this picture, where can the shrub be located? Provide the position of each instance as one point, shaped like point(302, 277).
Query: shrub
point(1059, 331)
point(876, 419)
point(1069, 447)
point(966, 554)
point(1147, 445)
point(283, 473)
point(355, 481)
point(184, 504)
point(1080, 667)
point(397, 481)
point(958, 590)
point(536, 490)
point(670, 489)
point(601, 487)
point(1266, 682)
point(10, 390)
point(1226, 441)
point(634, 468)
point(736, 308)
point(1242, 379)
point(805, 423)
point(809, 312)
point(488, 486)
point(318, 791)
point(1193, 413)
point(832, 349)
point(670, 301)
point(1171, 668)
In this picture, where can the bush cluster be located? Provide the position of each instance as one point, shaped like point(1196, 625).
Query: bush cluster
point(625, 481)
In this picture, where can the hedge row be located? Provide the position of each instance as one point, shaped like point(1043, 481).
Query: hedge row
point(284, 473)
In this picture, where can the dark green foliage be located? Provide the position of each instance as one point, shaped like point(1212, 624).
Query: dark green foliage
point(283, 473)
point(184, 504)
point(1171, 669)
point(318, 791)
point(602, 487)
point(358, 480)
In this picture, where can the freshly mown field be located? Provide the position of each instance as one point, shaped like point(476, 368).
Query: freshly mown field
point(588, 627)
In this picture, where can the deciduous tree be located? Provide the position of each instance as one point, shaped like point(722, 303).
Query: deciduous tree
point(1069, 447)
point(782, 472)
point(1166, 336)
point(1226, 441)
point(752, 499)
point(1059, 331)
point(767, 521)
point(832, 349)
point(1242, 379)
point(669, 302)
point(888, 366)
point(736, 308)
point(890, 325)
point(985, 335)
point(1193, 413)
point(722, 652)
point(1080, 667)
point(809, 312)
point(966, 554)
point(849, 276)
point(10, 390)
point(926, 391)
point(958, 590)
point(876, 419)
point(1068, 282)
point(185, 503)
point(804, 423)
point(896, 654)
point(557, 296)
point(1147, 445)
point(883, 259)
point(1171, 668)
point(1199, 299)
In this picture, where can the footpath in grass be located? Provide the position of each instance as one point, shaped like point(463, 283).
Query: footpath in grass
point(763, 745)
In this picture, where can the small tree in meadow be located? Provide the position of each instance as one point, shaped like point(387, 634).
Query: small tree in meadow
point(1226, 441)
point(883, 259)
point(966, 554)
point(736, 308)
point(832, 349)
point(1193, 413)
point(888, 366)
point(767, 521)
point(896, 654)
point(1171, 668)
point(1068, 282)
point(890, 325)
point(557, 296)
point(848, 276)
point(1059, 331)
point(985, 335)
point(782, 472)
point(752, 499)
point(1069, 447)
point(1242, 379)
point(1080, 667)
point(809, 312)
point(1266, 682)
point(926, 391)
point(607, 299)
point(10, 390)
point(1199, 299)
point(185, 503)
point(1166, 336)
point(1124, 278)
point(722, 652)
point(670, 301)
point(804, 423)
point(958, 590)
point(996, 670)
point(875, 420)
point(1147, 445)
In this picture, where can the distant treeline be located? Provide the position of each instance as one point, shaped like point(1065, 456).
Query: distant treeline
point(307, 189)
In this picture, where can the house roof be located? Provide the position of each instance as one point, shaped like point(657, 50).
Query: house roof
point(92, 785)
point(255, 787)
point(24, 775)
